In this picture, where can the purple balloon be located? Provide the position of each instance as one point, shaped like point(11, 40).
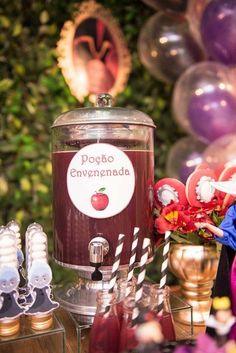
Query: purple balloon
point(188, 165)
point(218, 30)
point(212, 114)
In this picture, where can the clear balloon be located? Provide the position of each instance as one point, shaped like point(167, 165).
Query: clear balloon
point(221, 153)
point(194, 15)
point(218, 30)
point(166, 47)
point(174, 5)
point(184, 156)
point(204, 101)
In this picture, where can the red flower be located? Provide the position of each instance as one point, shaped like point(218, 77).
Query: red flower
point(196, 210)
point(173, 217)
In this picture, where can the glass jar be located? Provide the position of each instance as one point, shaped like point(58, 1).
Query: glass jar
point(123, 290)
point(128, 340)
point(157, 300)
point(105, 330)
point(103, 175)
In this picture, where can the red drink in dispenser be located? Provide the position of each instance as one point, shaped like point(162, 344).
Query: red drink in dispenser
point(103, 174)
point(74, 229)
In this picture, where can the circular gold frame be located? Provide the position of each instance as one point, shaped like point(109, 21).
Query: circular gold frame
point(74, 72)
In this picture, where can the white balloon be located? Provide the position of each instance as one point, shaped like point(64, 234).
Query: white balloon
point(221, 153)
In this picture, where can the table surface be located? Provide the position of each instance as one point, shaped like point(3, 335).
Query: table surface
point(71, 344)
point(76, 339)
point(71, 333)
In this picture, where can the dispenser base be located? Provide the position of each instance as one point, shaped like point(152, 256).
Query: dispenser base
point(80, 298)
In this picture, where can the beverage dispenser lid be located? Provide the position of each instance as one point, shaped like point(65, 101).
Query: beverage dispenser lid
point(103, 112)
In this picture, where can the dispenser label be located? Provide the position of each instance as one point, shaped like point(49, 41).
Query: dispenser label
point(100, 180)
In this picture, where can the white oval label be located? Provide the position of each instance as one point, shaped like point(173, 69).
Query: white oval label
point(100, 180)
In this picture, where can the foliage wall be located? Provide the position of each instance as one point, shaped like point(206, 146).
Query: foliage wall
point(33, 92)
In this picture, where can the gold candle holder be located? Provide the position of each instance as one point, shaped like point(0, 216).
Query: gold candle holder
point(9, 327)
point(41, 321)
point(195, 266)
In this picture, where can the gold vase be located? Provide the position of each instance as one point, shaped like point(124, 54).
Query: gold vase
point(195, 266)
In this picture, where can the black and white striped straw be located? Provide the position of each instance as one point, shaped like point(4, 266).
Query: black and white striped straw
point(116, 264)
point(133, 254)
point(164, 266)
point(141, 277)
point(132, 259)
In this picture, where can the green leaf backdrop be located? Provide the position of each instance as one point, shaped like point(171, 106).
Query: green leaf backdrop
point(33, 93)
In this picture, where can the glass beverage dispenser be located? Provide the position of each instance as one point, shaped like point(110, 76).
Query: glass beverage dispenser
point(103, 175)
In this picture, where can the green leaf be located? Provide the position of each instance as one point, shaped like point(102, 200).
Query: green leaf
point(19, 69)
point(17, 29)
point(101, 189)
point(44, 17)
point(6, 84)
point(5, 22)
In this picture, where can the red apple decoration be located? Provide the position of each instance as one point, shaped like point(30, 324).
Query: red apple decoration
point(99, 200)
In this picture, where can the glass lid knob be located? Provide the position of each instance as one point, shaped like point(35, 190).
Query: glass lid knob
point(103, 100)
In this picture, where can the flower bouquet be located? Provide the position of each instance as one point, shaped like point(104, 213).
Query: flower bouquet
point(181, 208)
point(192, 213)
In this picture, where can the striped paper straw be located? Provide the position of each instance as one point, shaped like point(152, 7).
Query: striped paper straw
point(141, 277)
point(164, 266)
point(133, 254)
point(116, 263)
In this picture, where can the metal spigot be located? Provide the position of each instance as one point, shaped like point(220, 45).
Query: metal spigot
point(98, 248)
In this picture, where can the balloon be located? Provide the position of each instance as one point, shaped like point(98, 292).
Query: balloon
point(166, 47)
point(194, 15)
point(221, 153)
point(174, 5)
point(204, 101)
point(218, 30)
point(184, 156)
point(213, 114)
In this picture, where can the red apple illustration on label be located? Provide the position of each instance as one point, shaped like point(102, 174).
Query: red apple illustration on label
point(99, 200)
